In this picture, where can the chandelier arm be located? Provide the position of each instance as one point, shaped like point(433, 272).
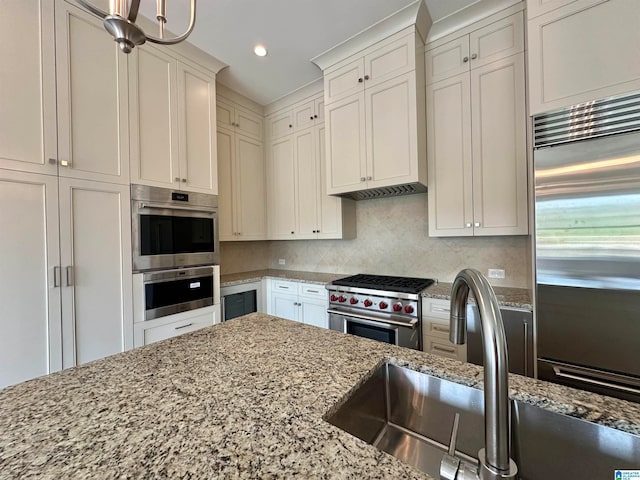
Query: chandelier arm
point(133, 10)
point(92, 9)
point(173, 41)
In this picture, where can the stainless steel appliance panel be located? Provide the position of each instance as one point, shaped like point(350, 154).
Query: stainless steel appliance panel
point(380, 329)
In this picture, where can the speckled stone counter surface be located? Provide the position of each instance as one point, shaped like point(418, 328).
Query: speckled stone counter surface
point(507, 296)
point(257, 275)
point(244, 399)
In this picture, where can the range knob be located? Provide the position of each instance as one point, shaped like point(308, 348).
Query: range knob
point(408, 309)
point(353, 300)
point(382, 305)
point(397, 307)
point(342, 299)
point(368, 303)
point(333, 297)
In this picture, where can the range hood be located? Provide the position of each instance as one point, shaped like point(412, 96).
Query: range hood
point(384, 192)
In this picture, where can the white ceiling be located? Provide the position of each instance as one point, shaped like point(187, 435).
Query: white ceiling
point(294, 31)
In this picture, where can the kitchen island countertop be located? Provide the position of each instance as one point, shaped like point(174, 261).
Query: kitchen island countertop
point(244, 399)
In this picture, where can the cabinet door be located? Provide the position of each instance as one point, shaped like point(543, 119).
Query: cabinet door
point(391, 60)
point(584, 51)
point(92, 79)
point(197, 130)
point(346, 145)
point(250, 183)
point(30, 344)
point(330, 206)
point(306, 183)
point(303, 115)
point(153, 116)
point(249, 123)
point(538, 7)
point(346, 80)
point(95, 237)
point(28, 87)
point(225, 115)
point(447, 60)
point(280, 124)
point(282, 212)
point(499, 148)
point(497, 40)
point(226, 200)
point(285, 306)
point(314, 312)
point(449, 160)
point(391, 125)
point(319, 109)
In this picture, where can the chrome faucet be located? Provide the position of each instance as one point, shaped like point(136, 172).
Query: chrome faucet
point(494, 458)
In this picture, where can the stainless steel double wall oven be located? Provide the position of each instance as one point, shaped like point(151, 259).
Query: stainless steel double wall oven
point(175, 246)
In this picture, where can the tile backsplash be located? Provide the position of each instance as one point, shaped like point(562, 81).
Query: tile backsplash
point(391, 240)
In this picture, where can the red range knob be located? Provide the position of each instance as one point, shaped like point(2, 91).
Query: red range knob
point(368, 303)
point(333, 298)
point(382, 305)
point(397, 307)
point(353, 300)
point(342, 299)
point(408, 309)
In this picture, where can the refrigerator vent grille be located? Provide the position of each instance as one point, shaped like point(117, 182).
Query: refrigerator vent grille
point(587, 120)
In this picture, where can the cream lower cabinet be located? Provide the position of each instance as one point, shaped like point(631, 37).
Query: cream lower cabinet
point(435, 330)
point(64, 280)
point(302, 302)
point(299, 207)
point(585, 50)
point(172, 111)
point(476, 144)
point(64, 96)
point(242, 206)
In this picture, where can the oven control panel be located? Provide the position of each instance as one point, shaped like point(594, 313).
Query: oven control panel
point(374, 303)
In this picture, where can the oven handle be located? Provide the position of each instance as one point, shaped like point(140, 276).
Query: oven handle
point(410, 324)
point(152, 206)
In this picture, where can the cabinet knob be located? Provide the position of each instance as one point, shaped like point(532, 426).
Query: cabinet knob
point(369, 178)
point(474, 56)
point(315, 116)
point(177, 179)
point(362, 179)
point(465, 59)
point(65, 163)
point(53, 161)
point(290, 126)
point(477, 224)
point(366, 77)
point(292, 233)
point(467, 225)
point(360, 80)
point(184, 180)
point(311, 117)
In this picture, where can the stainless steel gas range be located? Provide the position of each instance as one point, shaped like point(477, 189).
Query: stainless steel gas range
point(383, 308)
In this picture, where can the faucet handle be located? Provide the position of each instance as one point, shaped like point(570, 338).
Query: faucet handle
point(450, 464)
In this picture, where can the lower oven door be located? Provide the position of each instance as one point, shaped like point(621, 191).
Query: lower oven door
point(381, 329)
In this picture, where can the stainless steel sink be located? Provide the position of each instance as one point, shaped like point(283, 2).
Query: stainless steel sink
point(409, 415)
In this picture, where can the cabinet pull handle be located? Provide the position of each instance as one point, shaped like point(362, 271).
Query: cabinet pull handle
point(56, 276)
point(183, 326)
point(465, 59)
point(312, 291)
point(443, 349)
point(70, 276)
point(283, 287)
point(441, 309)
point(440, 328)
point(474, 56)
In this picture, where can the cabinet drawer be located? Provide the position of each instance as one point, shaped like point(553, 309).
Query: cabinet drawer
point(436, 329)
point(435, 308)
point(163, 332)
point(284, 286)
point(437, 346)
point(312, 290)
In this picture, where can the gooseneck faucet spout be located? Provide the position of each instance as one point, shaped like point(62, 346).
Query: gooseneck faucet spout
point(495, 461)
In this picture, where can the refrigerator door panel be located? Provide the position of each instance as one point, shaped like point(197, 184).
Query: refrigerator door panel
point(588, 213)
point(590, 327)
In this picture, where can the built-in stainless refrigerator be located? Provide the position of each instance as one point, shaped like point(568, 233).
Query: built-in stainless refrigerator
point(587, 209)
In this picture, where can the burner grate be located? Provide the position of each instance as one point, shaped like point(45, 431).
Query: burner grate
point(384, 282)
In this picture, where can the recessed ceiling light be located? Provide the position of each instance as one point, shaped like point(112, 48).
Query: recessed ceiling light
point(260, 51)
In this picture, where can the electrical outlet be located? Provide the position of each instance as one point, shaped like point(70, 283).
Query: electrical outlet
point(282, 262)
point(496, 273)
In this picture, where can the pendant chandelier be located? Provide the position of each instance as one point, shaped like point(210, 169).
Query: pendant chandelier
point(121, 18)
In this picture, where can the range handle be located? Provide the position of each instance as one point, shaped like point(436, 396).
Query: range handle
point(409, 324)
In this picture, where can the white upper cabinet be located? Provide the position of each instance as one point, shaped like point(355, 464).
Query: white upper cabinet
point(93, 128)
point(375, 117)
point(240, 120)
point(585, 50)
point(476, 140)
point(173, 122)
point(536, 8)
point(28, 88)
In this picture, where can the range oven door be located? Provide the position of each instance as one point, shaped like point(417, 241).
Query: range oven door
point(171, 236)
point(385, 330)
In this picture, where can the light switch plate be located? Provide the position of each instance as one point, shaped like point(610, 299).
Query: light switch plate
point(496, 273)
point(281, 261)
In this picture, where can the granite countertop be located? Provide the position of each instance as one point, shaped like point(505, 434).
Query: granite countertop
point(507, 296)
point(244, 399)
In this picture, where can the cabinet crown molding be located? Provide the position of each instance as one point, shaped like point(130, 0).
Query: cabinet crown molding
point(415, 14)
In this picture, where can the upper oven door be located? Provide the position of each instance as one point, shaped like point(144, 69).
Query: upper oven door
point(169, 236)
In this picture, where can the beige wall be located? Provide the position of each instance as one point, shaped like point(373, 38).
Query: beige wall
point(392, 240)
